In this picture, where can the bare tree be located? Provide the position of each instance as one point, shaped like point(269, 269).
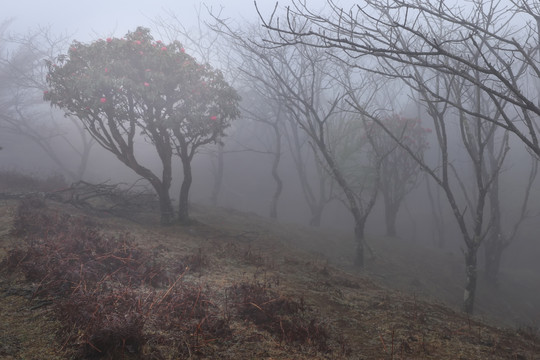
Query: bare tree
point(304, 79)
point(399, 171)
point(439, 224)
point(481, 51)
point(503, 233)
point(22, 70)
point(271, 115)
point(317, 184)
point(467, 201)
point(506, 38)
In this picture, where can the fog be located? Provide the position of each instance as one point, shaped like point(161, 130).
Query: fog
point(250, 144)
point(107, 18)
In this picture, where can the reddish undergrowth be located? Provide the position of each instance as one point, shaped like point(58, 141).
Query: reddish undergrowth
point(106, 289)
point(115, 299)
point(282, 316)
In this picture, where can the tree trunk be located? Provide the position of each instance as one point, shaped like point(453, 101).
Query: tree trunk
point(165, 207)
point(438, 226)
point(161, 186)
point(316, 203)
point(391, 223)
point(359, 216)
point(390, 212)
point(218, 177)
point(471, 271)
point(275, 174)
point(183, 208)
point(493, 253)
point(359, 237)
point(277, 194)
point(316, 215)
point(494, 244)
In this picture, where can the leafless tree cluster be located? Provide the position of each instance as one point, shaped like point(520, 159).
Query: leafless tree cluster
point(473, 67)
point(22, 77)
point(362, 105)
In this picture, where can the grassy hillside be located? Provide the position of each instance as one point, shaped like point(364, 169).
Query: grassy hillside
point(231, 286)
point(427, 273)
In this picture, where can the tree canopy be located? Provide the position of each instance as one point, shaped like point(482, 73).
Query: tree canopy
point(122, 87)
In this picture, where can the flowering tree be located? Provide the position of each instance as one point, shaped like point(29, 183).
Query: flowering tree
point(136, 89)
point(399, 170)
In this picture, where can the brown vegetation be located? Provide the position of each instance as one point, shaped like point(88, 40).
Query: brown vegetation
point(82, 287)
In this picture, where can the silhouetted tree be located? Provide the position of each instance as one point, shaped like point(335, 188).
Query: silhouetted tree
point(22, 82)
point(506, 36)
point(270, 114)
point(120, 88)
point(484, 49)
point(399, 171)
point(316, 183)
point(304, 80)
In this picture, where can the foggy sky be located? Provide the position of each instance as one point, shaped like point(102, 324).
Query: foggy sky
point(86, 20)
point(247, 185)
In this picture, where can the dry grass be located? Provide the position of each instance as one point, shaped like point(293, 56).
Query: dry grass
point(249, 293)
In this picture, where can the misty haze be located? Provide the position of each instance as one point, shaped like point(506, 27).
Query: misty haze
point(250, 180)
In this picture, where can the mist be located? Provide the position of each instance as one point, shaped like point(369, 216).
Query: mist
point(458, 167)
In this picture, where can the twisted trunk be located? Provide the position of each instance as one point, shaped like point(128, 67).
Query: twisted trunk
point(183, 207)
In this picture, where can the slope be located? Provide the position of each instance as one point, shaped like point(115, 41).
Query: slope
point(230, 286)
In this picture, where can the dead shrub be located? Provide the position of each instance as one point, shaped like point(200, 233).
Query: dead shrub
point(103, 324)
point(279, 315)
point(98, 286)
point(65, 252)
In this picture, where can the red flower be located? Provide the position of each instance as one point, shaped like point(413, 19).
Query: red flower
point(106, 70)
point(183, 50)
point(109, 39)
point(146, 84)
point(103, 100)
point(164, 48)
point(138, 42)
point(214, 118)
